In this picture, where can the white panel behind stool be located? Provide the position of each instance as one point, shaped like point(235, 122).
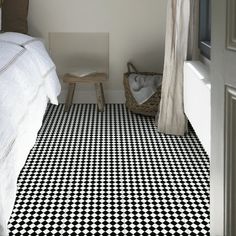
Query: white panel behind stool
point(71, 51)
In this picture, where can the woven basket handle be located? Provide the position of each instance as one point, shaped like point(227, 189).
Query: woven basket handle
point(130, 67)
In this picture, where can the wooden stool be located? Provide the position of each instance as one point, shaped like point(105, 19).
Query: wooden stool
point(95, 78)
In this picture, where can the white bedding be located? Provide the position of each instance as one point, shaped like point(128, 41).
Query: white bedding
point(27, 81)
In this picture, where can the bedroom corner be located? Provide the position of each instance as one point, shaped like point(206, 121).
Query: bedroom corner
point(106, 118)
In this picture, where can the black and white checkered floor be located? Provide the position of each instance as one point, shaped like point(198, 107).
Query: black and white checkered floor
point(111, 173)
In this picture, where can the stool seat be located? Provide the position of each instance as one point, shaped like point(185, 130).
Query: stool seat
point(94, 78)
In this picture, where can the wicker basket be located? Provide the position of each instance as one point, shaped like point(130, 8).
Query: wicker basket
point(148, 108)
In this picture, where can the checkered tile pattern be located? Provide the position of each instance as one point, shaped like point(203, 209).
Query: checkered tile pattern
point(111, 173)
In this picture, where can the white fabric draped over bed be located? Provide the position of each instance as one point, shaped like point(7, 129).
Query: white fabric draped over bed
point(27, 81)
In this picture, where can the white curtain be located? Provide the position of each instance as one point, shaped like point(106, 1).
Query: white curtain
point(180, 16)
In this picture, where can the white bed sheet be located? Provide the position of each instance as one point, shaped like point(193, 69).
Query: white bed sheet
point(27, 81)
point(11, 165)
point(40, 56)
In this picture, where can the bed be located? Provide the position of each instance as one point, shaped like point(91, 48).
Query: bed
point(28, 81)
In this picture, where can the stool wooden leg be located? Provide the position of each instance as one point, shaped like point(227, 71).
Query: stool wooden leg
point(70, 95)
point(100, 96)
point(103, 97)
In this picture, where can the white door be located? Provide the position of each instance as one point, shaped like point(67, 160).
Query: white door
point(223, 79)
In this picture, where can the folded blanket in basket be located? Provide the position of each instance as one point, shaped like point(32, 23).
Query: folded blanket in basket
point(144, 86)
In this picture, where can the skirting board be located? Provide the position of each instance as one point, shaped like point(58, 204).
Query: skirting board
point(89, 96)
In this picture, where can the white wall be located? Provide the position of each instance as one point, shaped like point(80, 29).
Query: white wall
point(136, 29)
point(198, 108)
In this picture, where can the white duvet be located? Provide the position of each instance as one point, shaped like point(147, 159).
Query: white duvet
point(27, 81)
